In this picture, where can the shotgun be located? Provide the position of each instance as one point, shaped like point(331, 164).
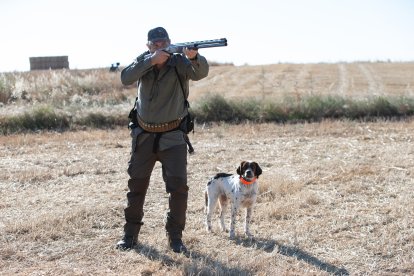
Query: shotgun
point(179, 47)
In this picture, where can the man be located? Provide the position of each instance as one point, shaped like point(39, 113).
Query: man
point(163, 82)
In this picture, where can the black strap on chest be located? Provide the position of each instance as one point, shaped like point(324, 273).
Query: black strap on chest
point(187, 105)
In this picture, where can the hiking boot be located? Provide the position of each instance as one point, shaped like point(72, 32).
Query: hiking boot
point(126, 243)
point(131, 231)
point(177, 245)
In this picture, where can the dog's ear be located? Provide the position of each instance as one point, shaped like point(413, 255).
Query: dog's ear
point(240, 168)
point(258, 170)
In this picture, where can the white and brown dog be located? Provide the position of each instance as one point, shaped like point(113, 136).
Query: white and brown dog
point(240, 190)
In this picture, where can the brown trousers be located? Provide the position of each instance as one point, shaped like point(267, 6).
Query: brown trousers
point(174, 172)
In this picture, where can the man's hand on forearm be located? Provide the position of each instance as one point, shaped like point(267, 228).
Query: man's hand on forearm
point(190, 53)
point(159, 57)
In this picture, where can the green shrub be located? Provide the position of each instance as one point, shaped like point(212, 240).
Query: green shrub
point(217, 109)
point(214, 108)
point(273, 112)
point(100, 120)
point(41, 118)
point(313, 108)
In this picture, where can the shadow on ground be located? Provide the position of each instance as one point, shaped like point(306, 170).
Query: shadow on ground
point(206, 266)
point(291, 251)
point(210, 266)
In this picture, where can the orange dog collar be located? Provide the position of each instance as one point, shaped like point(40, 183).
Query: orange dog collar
point(245, 182)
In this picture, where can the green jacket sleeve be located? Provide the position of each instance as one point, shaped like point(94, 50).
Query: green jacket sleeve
point(194, 69)
point(139, 67)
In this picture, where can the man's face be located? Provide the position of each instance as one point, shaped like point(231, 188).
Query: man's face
point(158, 44)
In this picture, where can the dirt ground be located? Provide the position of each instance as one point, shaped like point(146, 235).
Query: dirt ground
point(335, 198)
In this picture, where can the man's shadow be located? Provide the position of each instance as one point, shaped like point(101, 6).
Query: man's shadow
point(266, 245)
point(290, 251)
point(209, 266)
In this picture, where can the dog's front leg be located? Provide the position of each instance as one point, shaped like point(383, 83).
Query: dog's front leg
point(247, 222)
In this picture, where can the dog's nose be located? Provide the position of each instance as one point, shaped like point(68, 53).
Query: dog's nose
point(249, 173)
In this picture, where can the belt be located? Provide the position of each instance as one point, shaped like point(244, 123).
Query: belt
point(162, 127)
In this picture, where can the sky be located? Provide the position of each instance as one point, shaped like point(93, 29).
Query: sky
point(97, 33)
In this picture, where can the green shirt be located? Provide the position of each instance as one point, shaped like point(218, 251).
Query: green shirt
point(160, 97)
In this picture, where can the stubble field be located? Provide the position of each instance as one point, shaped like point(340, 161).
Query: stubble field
point(335, 197)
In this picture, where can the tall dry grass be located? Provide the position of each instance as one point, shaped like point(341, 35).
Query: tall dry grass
point(272, 93)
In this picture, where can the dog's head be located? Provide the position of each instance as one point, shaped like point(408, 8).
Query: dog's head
point(248, 170)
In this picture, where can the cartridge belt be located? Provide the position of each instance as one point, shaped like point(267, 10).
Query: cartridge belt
point(161, 127)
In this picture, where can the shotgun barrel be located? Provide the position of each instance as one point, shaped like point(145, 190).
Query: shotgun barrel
point(202, 44)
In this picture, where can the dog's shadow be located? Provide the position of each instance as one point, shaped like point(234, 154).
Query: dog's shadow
point(269, 246)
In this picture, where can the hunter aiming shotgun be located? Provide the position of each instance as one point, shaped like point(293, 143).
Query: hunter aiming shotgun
point(178, 47)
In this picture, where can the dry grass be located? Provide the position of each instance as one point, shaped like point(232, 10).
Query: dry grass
point(335, 198)
point(97, 90)
point(356, 80)
point(72, 91)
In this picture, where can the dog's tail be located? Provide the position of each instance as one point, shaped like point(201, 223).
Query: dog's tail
point(206, 201)
point(206, 198)
point(205, 192)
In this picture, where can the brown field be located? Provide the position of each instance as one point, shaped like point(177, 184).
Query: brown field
point(335, 196)
point(356, 80)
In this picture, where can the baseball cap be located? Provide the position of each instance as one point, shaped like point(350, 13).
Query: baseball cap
point(158, 33)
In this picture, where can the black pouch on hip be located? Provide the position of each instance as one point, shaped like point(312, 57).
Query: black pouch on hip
point(133, 119)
